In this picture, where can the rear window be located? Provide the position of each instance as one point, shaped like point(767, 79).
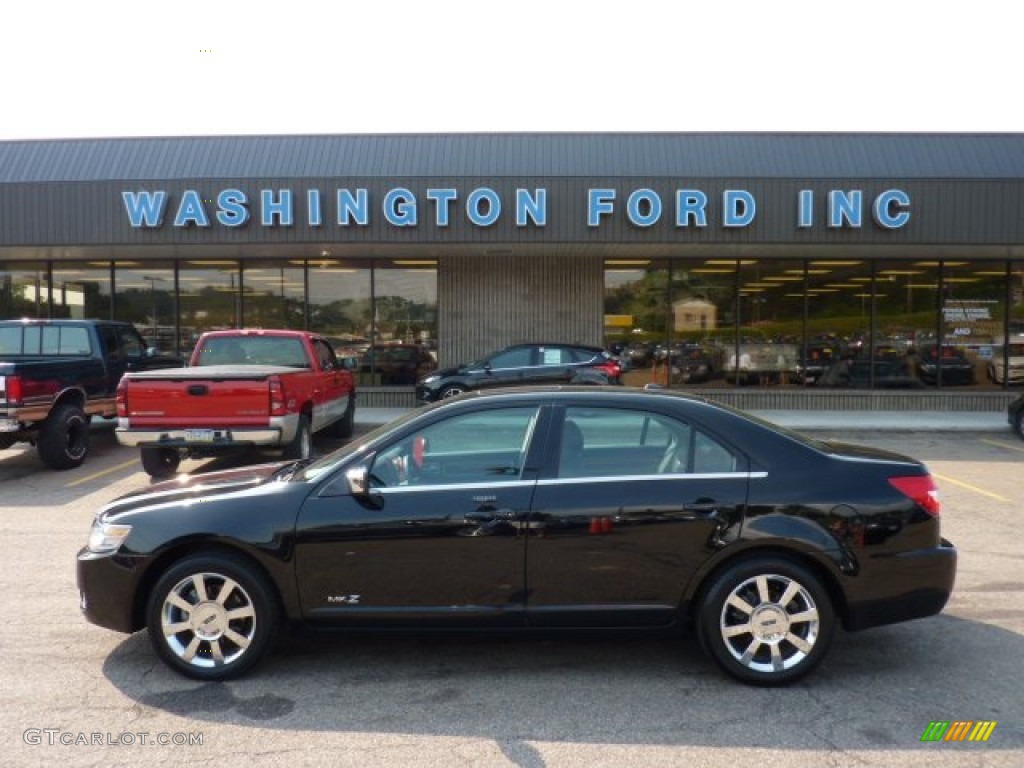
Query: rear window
point(44, 340)
point(253, 350)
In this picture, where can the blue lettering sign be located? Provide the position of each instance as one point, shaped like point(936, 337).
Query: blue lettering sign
point(691, 204)
point(313, 215)
point(600, 202)
point(145, 209)
point(890, 209)
point(191, 211)
point(443, 198)
point(480, 214)
point(805, 209)
point(233, 211)
point(400, 207)
point(639, 201)
point(535, 207)
point(845, 208)
point(279, 208)
point(739, 208)
point(353, 208)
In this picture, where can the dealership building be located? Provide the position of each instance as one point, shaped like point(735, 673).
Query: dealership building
point(753, 255)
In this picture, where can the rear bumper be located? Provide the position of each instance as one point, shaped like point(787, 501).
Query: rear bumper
point(909, 585)
point(280, 431)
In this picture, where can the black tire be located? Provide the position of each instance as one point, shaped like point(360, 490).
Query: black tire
point(301, 446)
point(233, 622)
point(160, 462)
point(345, 426)
point(776, 650)
point(450, 390)
point(63, 439)
point(1018, 425)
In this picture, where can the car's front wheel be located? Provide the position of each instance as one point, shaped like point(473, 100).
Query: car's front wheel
point(766, 621)
point(212, 617)
point(451, 390)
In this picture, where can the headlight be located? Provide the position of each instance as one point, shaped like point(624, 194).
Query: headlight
point(107, 537)
point(430, 379)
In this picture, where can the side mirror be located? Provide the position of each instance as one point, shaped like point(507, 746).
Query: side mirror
point(358, 480)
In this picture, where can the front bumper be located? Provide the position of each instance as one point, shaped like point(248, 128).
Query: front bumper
point(106, 588)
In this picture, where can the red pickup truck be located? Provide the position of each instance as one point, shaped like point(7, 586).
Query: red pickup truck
point(242, 388)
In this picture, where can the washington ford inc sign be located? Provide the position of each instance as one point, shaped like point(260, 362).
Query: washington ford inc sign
point(484, 207)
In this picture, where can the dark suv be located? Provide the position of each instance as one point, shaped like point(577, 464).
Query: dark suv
point(523, 364)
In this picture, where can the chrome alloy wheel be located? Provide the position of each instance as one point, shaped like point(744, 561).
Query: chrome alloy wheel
point(769, 623)
point(208, 620)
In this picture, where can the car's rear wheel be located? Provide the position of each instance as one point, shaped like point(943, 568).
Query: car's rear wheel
point(212, 617)
point(766, 621)
point(451, 390)
point(160, 462)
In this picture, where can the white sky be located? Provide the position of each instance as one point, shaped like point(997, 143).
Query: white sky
point(74, 68)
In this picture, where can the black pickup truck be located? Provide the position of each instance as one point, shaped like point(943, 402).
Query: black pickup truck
point(55, 375)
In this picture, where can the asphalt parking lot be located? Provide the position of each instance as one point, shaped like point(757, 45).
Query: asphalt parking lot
point(76, 695)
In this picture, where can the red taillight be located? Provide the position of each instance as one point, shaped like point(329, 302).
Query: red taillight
point(610, 369)
point(921, 490)
point(277, 405)
point(15, 391)
point(121, 398)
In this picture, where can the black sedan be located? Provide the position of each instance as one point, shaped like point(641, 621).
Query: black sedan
point(522, 365)
point(550, 509)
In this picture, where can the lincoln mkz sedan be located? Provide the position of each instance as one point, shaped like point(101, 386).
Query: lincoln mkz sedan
point(546, 509)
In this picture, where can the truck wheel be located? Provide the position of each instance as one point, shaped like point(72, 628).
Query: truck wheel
point(160, 462)
point(301, 446)
point(64, 437)
point(344, 426)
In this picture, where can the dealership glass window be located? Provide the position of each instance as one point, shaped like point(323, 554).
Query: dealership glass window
point(210, 297)
point(274, 294)
point(838, 294)
point(340, 304)
point(82, 290)
point(973, 317)
point(702, 323)
point(906, 296)
point(636, 315)
point(405, 301)
point(771, 313)
point(144, 296)
point(24, 290)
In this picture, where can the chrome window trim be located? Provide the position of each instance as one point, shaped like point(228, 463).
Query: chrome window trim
point(646, 478)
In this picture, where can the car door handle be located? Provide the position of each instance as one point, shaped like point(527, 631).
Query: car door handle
point(489, 515)
point(703, 506)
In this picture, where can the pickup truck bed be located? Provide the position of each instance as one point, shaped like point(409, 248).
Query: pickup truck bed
point(237, 393)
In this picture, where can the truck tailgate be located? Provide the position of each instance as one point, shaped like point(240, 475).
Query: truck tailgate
point(206, 396)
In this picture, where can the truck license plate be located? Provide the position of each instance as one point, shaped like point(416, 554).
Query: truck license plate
point(199, 435)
